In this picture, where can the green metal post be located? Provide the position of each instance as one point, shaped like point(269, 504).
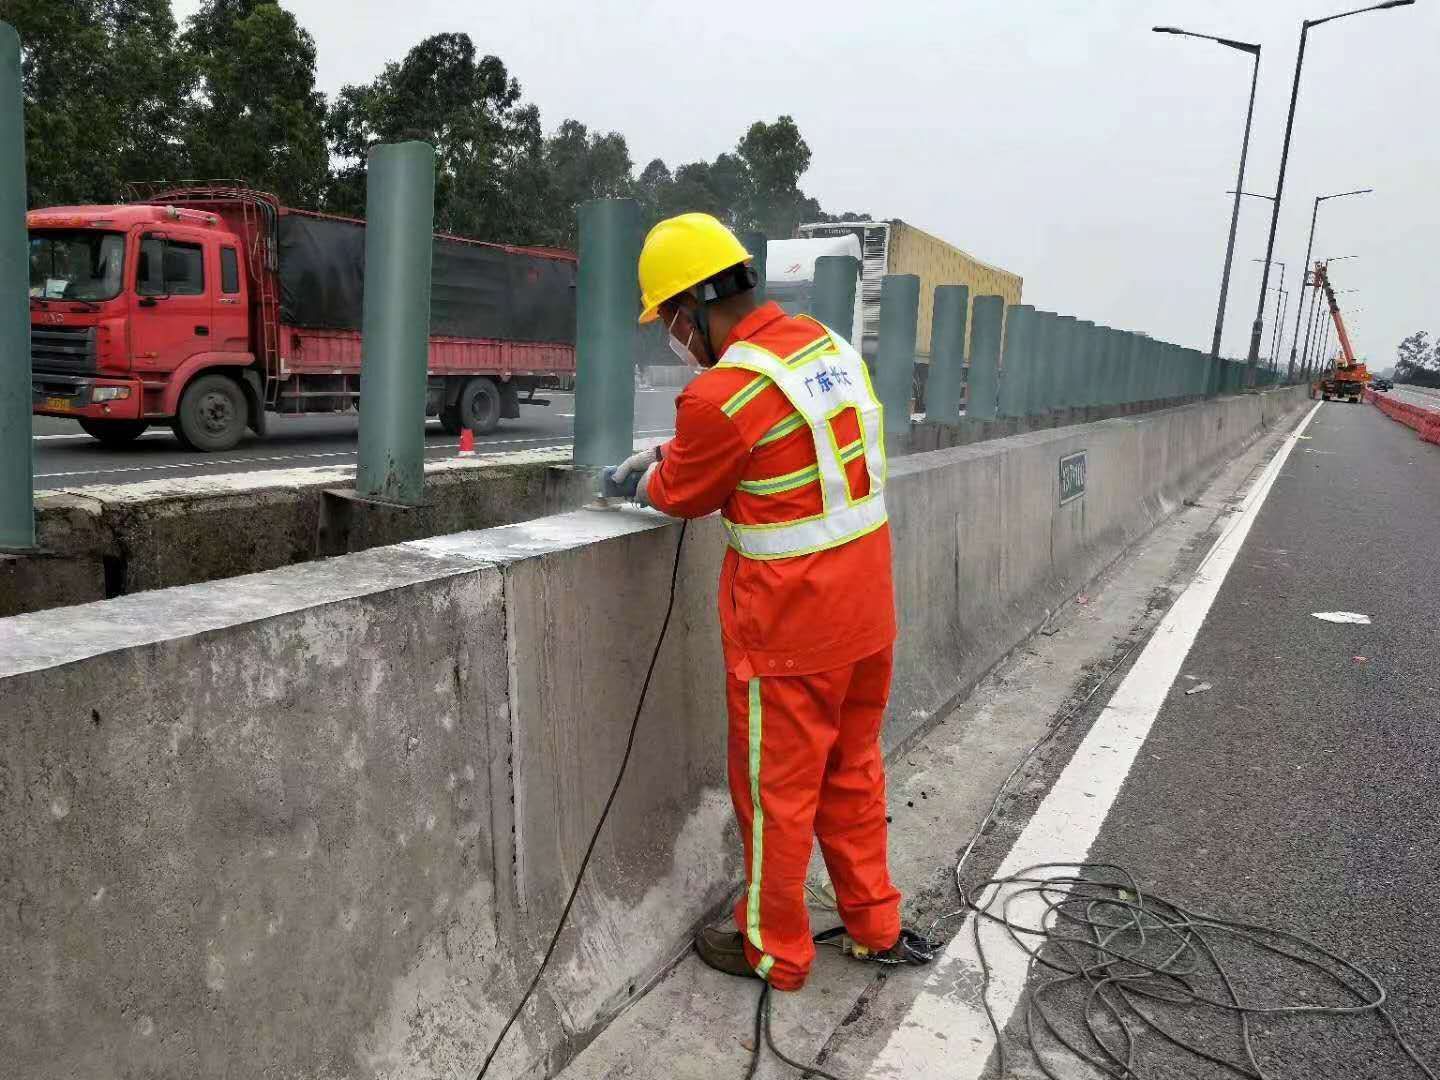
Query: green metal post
point(833, 298)
point(1135, 382)
point(1089, 357)
point(17, 484)
point(1150, 371)
point(895, 355)
point(758, 245)
point(1140, 387)
point(1119, 354)
point(1129, 350)
point(1102, 393)
point(400, 223)
point(1104, 357)
point(607, 304)
point(1077, 392)
point(988, 329)
point(1044, 361)
point(1017, 358)
point(1059, 336)
point(947, 355)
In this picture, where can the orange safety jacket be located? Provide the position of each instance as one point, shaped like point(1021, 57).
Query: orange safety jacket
point(742, 447)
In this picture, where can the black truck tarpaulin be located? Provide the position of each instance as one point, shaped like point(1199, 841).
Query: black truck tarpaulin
point(476, 291)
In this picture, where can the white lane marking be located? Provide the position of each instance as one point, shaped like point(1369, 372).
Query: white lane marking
point(946, 1031)
point(157, 434)
point(203, 462)
point(1342, 617)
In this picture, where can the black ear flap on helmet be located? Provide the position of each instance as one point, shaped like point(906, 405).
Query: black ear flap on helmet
point(730, 282)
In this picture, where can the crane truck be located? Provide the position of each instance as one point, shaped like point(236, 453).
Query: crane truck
point(1344, 377)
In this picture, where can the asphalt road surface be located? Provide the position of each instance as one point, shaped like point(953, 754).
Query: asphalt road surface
point(1300, 790)
point(67, 457)
point(1423, 396)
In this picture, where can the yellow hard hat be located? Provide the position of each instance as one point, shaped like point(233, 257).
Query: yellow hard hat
point(680, 253)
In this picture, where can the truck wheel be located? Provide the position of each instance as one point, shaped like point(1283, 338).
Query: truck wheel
point(113, 432)
point(480, 406)
point(450, 419)
point(212, 414)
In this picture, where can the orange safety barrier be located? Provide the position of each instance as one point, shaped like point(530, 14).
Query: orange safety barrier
point(1425, 422)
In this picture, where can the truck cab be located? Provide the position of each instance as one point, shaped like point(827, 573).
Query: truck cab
point(127, 305)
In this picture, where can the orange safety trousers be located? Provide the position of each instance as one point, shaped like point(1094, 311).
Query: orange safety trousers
point(805, 762)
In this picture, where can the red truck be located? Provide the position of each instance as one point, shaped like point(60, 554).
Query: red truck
point(209, 306)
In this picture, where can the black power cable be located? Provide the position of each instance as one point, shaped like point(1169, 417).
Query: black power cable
point(1130, 948)
point(1112, 947)
point(605, 813)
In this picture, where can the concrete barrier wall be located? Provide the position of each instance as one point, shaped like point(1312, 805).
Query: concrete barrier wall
point(105, 541)
point(318, 822)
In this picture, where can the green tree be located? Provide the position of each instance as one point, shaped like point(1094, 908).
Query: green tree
point(581, 165)
point(755, 187)
point(256, 114)
point(489, 148)
point(774, 157)
point(1417, 360)
point(102, 83)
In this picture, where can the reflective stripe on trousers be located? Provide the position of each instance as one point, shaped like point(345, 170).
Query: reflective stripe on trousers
point(805, 762)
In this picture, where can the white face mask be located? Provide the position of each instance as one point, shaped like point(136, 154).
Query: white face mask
point(682, 351)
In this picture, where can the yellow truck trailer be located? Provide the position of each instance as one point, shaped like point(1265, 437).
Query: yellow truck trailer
point(894, 247)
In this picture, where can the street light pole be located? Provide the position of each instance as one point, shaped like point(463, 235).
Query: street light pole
point(1309, 247)
point(1312, 325)
point(1279, 292)
point(1305, 26)
point(1279, 329)
point(1254, 51)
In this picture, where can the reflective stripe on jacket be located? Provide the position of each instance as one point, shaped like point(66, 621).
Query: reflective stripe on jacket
point(823, 381)
point(742, 448)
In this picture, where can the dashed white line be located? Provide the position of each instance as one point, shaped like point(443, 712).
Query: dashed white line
point(947, 1032)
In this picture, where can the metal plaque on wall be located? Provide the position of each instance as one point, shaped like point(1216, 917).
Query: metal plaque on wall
point(1072, 477)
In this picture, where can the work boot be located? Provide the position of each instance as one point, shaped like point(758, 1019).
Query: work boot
point(724, 951)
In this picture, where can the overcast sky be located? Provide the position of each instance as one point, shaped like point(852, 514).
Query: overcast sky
point(1060, 139)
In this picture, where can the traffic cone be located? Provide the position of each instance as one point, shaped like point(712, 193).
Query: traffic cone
point(467, 443)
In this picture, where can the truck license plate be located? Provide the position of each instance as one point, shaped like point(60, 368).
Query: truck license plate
point(57, 403)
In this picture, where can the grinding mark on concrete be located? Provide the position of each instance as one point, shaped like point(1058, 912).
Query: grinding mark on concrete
point(450, 989)
point(616, 929)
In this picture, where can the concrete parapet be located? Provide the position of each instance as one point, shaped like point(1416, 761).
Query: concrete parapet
point(113, 540)
point(320, 820)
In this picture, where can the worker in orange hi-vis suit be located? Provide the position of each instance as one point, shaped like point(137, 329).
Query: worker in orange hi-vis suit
point(782, 434)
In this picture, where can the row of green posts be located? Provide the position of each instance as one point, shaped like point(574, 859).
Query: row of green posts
point(1022, 362)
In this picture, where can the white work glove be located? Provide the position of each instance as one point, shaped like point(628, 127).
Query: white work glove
point(635, 463)
point(632, 475)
